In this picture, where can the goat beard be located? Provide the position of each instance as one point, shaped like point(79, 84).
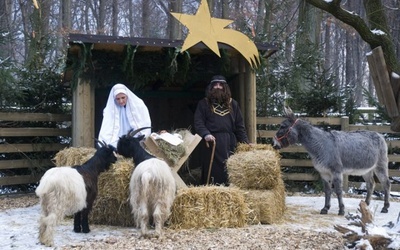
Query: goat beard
point(219, 96)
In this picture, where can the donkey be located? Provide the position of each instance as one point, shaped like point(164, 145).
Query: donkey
point(361, 153)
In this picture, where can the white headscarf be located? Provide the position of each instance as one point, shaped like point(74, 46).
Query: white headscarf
point(137, 115)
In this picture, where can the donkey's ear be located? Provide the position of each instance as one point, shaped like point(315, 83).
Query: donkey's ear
point(288, 113)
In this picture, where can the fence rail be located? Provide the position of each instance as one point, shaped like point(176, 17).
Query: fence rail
point(25, 148)
point(292, 164)
point(23, 151)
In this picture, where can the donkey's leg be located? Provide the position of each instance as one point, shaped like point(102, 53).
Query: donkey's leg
point(369, 180)
point(383, 176)
point(337, 186)
point(328, 192)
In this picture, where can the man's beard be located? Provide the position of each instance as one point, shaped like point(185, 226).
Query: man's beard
point(218, 96)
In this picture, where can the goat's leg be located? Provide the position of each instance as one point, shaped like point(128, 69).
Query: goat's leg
point(158, 221)
point(77, 222)
point(328, 192)
point(85, 220)
point(143, 220)
point(337, 186)
point(46, 229)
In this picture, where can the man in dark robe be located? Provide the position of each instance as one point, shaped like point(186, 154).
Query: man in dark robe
point(218, 120)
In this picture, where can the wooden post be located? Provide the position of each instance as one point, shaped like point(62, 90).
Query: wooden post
point(242, 83)
point(375, 80)
point(380, 74)
point(250, 104)
point(344, 124)
point(395, 82)
point(83, 114)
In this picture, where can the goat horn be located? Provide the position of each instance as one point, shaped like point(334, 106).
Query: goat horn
point(102, 143)
point(134, 132)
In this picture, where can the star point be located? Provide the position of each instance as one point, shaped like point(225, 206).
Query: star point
point(204, 28)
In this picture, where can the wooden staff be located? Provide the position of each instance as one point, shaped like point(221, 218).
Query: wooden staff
point(211, 161)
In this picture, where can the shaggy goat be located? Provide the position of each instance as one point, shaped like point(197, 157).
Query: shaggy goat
point(71, 190)
point(361, 153)
point(152, 185)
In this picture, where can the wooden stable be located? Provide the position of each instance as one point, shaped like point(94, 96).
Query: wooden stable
point(95, 63)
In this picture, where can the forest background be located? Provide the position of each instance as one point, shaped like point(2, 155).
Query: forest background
point(320, 68)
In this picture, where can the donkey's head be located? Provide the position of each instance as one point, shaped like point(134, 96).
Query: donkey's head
point(286, 134)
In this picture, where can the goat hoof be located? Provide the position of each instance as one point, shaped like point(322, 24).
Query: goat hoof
point(341, 212)
point(77, 229)
point(384, 210)
point(86, 231)
point(324, 211)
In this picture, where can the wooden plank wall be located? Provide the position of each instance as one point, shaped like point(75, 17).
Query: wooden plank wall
point(343, 122)
point(21, 149)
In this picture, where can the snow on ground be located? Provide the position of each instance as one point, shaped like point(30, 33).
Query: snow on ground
point(19, 226)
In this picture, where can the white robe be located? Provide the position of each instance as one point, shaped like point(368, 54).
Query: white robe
point(118, 120)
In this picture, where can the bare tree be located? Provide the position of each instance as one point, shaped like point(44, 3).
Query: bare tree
point(376, 20)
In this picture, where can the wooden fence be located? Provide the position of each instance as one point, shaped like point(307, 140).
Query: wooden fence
point(22, 150)
point(343, 122)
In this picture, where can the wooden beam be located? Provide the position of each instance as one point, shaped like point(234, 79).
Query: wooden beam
point(374, 75)
point(40, 117)
point(250, 104)
point(83, 114)
point(39, 147)
point(25, 163)
point(35, 132)
point(19, 179)
point(383, 79)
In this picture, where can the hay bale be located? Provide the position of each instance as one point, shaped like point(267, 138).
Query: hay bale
point(114, 183)
point(266, 206)
point(208, 207)
point(256, 169)
point(244, 147)
point(112, 205)
point(73, 156)
point(108, 211)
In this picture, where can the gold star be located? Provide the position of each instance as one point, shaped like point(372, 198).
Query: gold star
point(204, 28)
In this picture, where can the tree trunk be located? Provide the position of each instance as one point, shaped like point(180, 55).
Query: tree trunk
point(5, 18)
point(102, 18)
point(115, 11)
point(145, 18)
point(39, 36)
point(174, 26)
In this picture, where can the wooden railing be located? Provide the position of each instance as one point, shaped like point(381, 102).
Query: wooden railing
point(306, 163)
point(21, 160)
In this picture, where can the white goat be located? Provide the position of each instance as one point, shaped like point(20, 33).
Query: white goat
point(152, 185)
point(71, 190)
